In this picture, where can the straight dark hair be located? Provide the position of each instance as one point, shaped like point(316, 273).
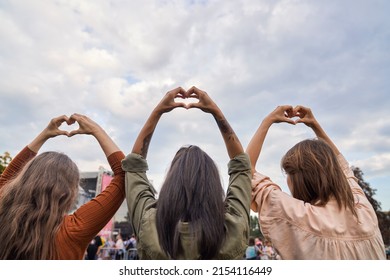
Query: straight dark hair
point(192, 192)
point(316, 174)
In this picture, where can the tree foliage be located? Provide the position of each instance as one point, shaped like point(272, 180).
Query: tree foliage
point(370, 192)
point(383, 217)
point(5, 159)
point(254, 227)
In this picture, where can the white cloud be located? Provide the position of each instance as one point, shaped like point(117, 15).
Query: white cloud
point(377, 165)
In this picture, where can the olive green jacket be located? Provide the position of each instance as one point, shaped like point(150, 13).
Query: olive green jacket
point(141, 203)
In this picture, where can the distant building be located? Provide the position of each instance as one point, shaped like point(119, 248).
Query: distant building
point(91, 184)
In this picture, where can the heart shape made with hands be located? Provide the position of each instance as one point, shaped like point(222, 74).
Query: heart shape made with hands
point(65, 125)
point(69, 126)
point(294, 113)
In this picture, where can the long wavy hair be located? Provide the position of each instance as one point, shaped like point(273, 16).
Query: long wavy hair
point(316, 175)
point(192, 192)
point(33, 205)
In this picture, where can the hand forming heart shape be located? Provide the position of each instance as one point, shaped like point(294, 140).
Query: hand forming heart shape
point(293, 115)
point(56, 126)
point(86, 125)
point(69, 126)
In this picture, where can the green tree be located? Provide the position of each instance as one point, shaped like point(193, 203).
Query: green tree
point(254, 227)
point(370, 192)
point(383, 217)
point(4, 161)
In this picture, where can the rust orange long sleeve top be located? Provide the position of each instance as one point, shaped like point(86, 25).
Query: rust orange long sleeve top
point(79, 228)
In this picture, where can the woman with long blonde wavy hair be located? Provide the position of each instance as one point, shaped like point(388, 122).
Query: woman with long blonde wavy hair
point(37, 193)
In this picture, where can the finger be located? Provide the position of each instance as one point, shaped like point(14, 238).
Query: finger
point(180, 95)
point(286, 107)
point(296, 113)
point(191, 92)
point(290, 121)
point(62, 118)
point(182, 92)
point(62, 132)
point(74, 132)
point(177, 92)
point(195, 92)
point(78, 116)
point(289, 111)
point(59, 120)
point(80, 119)
point(179, 104)
point(299, 111)
point(71, 121)
point(193, 105)
point(194, 95)
point(73, 118)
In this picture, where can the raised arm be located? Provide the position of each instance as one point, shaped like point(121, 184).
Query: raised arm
point(280, 114)
point(167, 104)
point(85, 223)
point(29, 152)
point(306, 116)
point(206, 104)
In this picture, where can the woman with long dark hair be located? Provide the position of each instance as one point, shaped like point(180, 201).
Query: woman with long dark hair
point(192, 218)
point(38, 191)
point(327, 215)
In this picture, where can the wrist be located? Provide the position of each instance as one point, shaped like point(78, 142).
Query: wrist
point(98, 132)
point(44, 136)
point(268, 121)
point(157, 113)
point(216, 112)
point(37, 143)
point(314, 125)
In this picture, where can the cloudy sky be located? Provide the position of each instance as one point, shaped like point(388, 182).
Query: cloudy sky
point(114, 60)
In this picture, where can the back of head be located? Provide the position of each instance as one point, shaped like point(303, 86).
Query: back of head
point(33, 205)
point(316, 175)
point(193, 193)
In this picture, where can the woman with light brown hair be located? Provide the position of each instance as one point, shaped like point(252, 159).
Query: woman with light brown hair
point(327, 215)
point(38, 191)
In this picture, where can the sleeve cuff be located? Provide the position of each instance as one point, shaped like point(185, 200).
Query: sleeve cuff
point(239, 163)
point(114, 160)
point(28, 153)
point(134, 163)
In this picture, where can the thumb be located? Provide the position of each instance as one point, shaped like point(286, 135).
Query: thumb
point(74, 132)
point(62, 132)
point(193, 105)
point(179, 104)
point(65, 133)
point(290, 121)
